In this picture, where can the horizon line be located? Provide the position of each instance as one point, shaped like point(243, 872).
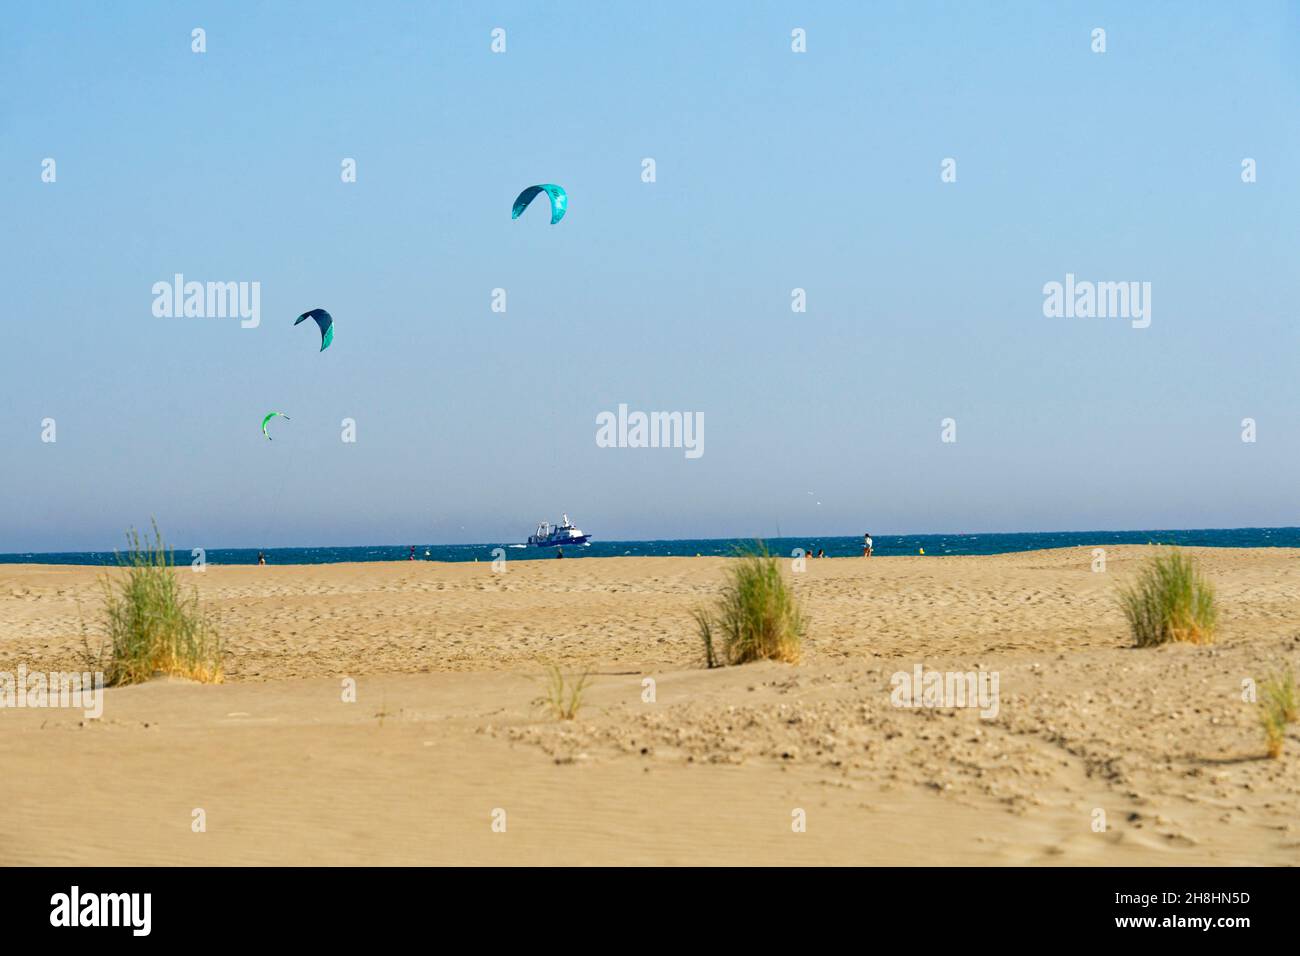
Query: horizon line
point(730, 538)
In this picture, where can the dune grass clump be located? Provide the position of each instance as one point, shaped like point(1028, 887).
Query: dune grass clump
point(563, 696)
point(757, 616)
point(1170, 601)
point(153, 626)
point(704, 621)
point(1278, 707)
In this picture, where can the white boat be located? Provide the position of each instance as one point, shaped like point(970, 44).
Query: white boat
point(561, 534)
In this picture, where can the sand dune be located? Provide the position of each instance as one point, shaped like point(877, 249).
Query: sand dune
point(447, 660)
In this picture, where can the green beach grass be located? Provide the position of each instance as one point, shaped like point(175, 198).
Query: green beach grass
point(1170, 600)
point(757, 616)
point(1278, 707)
point(152, 626)
point(563, 695)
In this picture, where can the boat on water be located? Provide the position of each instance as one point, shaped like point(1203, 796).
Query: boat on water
point(561, 534)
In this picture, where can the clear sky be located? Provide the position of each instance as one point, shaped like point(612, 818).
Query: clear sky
point(775, 170)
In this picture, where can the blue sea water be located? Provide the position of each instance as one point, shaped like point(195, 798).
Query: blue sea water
point(836, 547)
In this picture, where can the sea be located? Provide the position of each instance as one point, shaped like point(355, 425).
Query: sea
point(937, 545)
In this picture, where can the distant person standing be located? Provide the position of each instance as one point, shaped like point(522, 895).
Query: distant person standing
point(261, 558)
point(411, 556)
point(867, 548)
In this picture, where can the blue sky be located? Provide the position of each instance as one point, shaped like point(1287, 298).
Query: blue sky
point(775, 170)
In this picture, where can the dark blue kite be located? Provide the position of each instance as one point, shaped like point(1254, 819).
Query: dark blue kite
point(326, 324)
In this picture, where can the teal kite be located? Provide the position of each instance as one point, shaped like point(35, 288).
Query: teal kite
point(559, 201)
point(268, 418)
point(326, 323)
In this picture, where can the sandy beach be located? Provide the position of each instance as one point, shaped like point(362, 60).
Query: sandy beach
point(448, 661)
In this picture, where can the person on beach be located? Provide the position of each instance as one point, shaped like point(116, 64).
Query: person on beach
point(261, 558)
point(821, 552)
point(411, 556)
point(559, 552)
point(866, 545)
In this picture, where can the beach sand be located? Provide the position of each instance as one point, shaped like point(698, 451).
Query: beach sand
point(448, 661)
